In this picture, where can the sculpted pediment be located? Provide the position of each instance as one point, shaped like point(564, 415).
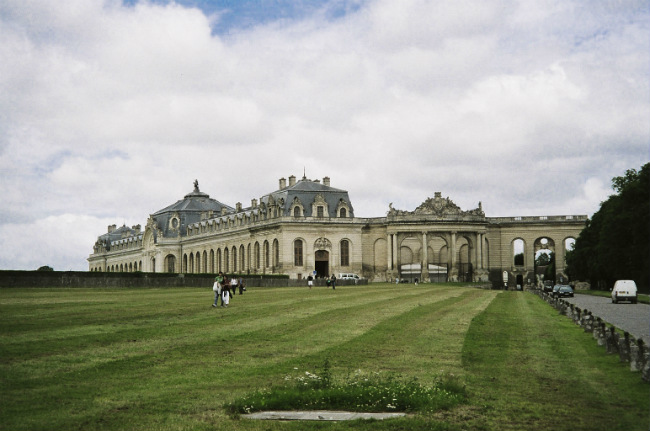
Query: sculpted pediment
point(438, 207)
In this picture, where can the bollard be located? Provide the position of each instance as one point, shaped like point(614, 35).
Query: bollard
point(624, 347)
point(602, 335)
point(611, 340)
point(645, 369)
point(577, 313)
point(588, 322)
point(636, 355)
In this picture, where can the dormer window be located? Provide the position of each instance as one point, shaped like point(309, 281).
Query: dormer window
point(319, 211)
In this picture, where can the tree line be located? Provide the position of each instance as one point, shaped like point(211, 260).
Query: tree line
point(615, 243)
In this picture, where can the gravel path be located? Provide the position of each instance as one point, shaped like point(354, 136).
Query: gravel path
point(633, 318)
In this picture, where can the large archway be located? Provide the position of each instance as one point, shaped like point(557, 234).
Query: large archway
point(544, 259)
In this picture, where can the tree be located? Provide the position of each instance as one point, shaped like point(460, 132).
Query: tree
point(614, 243)
point(45, 268)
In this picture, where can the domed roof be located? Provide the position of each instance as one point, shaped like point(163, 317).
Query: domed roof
point(188, 210)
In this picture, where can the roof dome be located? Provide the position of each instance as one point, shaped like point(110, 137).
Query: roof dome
point(188, 210)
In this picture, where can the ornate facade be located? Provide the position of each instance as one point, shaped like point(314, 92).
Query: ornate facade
point(307, 225)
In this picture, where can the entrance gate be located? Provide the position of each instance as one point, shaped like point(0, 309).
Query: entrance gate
point(321, 263)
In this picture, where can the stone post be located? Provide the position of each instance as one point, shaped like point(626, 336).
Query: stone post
point(611, 340)
point(624, 347)
point(645, 370)
point(636, 356)
point(587, 321)
point(601, 333)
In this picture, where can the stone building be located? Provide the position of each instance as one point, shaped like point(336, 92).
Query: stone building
point(308, 225)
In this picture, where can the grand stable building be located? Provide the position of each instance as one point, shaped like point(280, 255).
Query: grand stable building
point(308, 225)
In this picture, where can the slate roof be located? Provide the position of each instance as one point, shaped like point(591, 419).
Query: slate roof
point(189, 210)
point(117, 234)
point(306, 190)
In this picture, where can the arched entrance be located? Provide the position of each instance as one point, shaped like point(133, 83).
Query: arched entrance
point(322, 263)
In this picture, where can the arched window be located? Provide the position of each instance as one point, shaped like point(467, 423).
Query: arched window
point(276, 253)
point(343, 213)
point(234, 259)
point(296, 211)
point(518, 252)
point(345, 252)
point(297, 253)
point(257, 255)
point(267, 261)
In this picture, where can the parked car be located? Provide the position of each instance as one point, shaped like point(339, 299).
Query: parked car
point(565, 291)
point(548, 286)
point(624, 290)
point(348, 276)
point(555, 289)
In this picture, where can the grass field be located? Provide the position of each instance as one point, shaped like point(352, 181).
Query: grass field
point(164, 359)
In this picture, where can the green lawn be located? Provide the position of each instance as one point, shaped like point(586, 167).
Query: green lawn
point(164, 359)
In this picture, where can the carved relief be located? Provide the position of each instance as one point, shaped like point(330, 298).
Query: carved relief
point(322, 243)
point(437, 206)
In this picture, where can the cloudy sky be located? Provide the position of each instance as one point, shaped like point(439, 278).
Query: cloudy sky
point(109, 110)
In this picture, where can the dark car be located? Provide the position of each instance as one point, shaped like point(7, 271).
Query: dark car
point(565, 291)
point(555, 289)
point(548, 286)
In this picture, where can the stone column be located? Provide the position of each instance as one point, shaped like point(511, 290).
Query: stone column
point(395, 255)
point(453, 273)
point(389, 252)
point(479, 250)
point(425, 258)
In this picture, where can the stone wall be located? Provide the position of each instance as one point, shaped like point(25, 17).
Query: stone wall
point(81, 279)
point(632, 351)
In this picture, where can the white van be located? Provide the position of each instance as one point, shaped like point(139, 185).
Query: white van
point(624, 290)
point(347, 276)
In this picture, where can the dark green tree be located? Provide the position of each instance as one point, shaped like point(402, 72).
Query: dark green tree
point(615, 243)
point(45, 268)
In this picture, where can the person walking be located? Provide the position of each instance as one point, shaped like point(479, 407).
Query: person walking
point(216, 287)
point(333, 282)
point(310, 281)
point(233, 286)
point(225, 293)
point(242, 285)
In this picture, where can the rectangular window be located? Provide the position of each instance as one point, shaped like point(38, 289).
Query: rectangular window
point(297, 253)
point(319, 211)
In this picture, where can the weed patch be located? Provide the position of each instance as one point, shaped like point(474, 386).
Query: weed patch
point(359, 392)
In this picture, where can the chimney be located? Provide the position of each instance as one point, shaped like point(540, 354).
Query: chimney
point(283, 183)
point(238, 206)
point(292, 180)
point(137, 228)
point(254, 203)
point(111, 228)
point(326, 181)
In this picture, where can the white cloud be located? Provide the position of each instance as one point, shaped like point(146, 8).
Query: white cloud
point(110, 112)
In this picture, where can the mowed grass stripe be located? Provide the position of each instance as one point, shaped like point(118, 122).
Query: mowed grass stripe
point(529, 375)
point(214, 332)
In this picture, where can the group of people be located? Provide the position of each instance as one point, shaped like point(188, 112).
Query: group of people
point(225, 288)
point(330, 281)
